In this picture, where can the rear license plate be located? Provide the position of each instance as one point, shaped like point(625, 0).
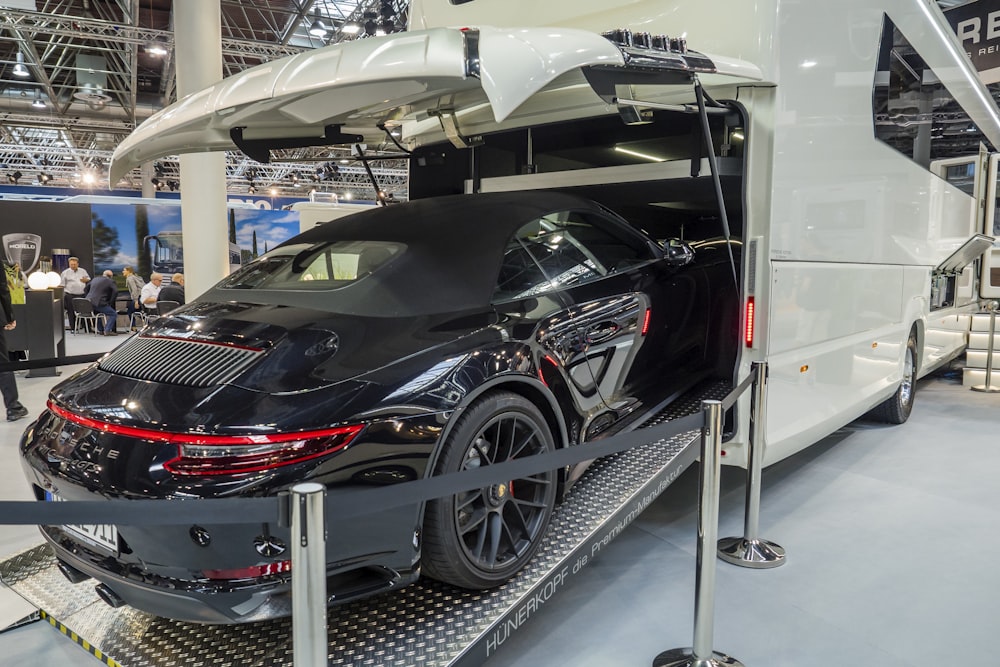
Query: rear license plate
point(104, 536)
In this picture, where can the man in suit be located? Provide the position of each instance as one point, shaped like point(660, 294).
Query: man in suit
point(102, 292)
point(8, 385)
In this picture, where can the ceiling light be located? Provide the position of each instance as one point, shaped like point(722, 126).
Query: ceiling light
point(156, 48)
point(38, 102)
point(351, 28)
point(644, 156)
point(318, 29)
point(14, 177)
point(44, 178)
point(20, 69)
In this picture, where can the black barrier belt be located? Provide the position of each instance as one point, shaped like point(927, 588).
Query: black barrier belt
point(50, 363)
point(734, 395)
point(340, 505)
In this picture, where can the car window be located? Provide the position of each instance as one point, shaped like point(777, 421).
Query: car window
point(317, 266)
point(563, 249)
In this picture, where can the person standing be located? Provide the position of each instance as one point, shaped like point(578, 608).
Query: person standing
point(174, 291)
point(8, 385)
point(134, 283)
point(151, 292)
point(74, 282)
point(102, 292)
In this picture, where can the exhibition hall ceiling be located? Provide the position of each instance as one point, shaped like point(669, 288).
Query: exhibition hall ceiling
point(76, 76)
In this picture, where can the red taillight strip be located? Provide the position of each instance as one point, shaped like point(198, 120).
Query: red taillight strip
point(199, 439)
point(645, 322)
point(201, 342)
point(748, 327)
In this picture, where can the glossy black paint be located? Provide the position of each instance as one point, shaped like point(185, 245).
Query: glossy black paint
point(578, 353)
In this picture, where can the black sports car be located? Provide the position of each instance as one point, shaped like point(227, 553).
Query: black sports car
point(417, 339)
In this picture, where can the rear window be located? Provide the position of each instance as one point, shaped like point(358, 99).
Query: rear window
point(314, 266)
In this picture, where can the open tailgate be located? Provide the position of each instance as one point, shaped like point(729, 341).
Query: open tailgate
point(319, 97)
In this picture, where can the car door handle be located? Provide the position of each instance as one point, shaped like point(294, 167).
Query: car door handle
point(601, 332)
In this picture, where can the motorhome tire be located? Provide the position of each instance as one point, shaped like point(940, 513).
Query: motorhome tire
point(896, 409)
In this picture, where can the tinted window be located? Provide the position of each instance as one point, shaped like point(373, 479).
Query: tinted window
point(318, 266)
point(912, 110)
point(563, 249)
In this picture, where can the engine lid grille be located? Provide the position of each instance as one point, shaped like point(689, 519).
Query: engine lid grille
point(179, 361)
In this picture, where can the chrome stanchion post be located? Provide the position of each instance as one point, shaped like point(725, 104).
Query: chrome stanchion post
point(702, 655)
point(309, 632)
point(987, 386)
point(750, 550)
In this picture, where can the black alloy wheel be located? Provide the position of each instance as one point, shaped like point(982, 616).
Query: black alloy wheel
point(480, 539)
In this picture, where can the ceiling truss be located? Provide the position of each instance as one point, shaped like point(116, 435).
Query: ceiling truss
point(91, 65)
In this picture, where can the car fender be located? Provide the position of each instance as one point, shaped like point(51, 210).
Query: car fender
point(500, 382)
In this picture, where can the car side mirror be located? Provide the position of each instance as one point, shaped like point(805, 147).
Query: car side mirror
point(676, 253)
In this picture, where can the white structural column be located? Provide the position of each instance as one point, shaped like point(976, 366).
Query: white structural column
point(146, 174)
point(198, 53)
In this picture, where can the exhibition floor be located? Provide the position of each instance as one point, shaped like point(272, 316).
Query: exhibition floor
point(890, 534)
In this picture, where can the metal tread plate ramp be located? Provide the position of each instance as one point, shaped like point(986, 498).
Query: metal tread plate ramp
point(427, 623)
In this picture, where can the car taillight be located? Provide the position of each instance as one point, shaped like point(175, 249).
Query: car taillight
point(252, 572)
point(645, 322)
point(748, 327)
point(230, 454)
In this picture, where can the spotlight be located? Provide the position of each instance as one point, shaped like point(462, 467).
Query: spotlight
point(173, 185)
point(38, 102)
point(156, 48)
point(158, 168)
point(44, 178)
point(318, 29)
point(350, 28)
point(14, 177)
point(251, 189)
point(157, 183)
point(19, 69)
point(370, 25)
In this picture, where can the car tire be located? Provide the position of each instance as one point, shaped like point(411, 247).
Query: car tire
point(896, 409)
point(480, 539)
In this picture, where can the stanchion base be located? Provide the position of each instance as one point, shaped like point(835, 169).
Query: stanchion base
point(983, 387)
point(684, 657)
point(758, 554)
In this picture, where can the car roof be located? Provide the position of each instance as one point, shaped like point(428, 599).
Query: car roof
point(454, 247)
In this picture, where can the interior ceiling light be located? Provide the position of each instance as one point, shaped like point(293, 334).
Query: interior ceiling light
point(318, 28)
point(19, 68)
point(38, 102)
point(350, 28)
point(644, 156)
point(14, 177)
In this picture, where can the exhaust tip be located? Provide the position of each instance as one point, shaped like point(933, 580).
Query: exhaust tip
point(74, 575)
point(109, 596)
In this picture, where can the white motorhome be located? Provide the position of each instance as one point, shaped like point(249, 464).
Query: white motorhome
point(825, 119)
